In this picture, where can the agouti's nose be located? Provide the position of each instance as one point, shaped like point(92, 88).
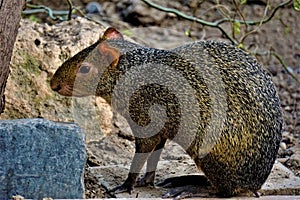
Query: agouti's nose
point(55, 87)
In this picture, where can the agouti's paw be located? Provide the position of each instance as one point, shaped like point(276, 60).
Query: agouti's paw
point(146, 180)
point(125, 187)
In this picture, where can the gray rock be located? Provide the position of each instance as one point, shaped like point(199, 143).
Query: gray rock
point(40, 158)
point(293, 162)
point(282, 181)
point(138, 13)
point(94, 8)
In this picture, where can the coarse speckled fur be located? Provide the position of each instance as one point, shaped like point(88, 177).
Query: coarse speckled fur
point(246, 145)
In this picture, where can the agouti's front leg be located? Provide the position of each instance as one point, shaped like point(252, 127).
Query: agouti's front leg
point(148, 178)
point(144, 147)
point(136, 165)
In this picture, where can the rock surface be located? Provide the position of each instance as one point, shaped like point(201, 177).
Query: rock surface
point(40, 158)
point(281, 181)
point(39, 50)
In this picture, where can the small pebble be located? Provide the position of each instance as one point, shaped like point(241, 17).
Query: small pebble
point(93, 8)
point(17, 197)
point(282, 145)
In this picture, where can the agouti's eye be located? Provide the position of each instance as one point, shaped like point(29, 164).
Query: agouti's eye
point(84, 69)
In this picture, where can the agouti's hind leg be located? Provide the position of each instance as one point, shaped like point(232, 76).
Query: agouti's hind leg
point(148, 178)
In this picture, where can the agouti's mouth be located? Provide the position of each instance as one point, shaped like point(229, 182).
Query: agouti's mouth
point(66, 90)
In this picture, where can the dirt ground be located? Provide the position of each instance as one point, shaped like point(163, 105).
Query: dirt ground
point(109, 159)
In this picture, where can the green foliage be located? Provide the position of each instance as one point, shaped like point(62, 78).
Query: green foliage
point(34, 18)
point(187, 32)
point(236, 28)
point(241, 46)
point(243, 2)
point(128, 33)
point(297, 5)
point(241, 26)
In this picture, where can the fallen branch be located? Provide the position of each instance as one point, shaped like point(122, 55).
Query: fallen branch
point(217, 23)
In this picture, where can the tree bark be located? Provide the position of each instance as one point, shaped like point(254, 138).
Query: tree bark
point(10, 15)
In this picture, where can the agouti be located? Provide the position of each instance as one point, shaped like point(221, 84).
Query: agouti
point(212, 98)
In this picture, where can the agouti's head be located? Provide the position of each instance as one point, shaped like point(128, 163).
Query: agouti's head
point(83, 73)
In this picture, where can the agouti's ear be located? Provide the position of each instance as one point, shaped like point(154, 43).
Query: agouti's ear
point(110, 54)
point(111, 33)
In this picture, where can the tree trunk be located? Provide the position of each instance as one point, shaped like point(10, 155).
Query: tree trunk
point(10, 15)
